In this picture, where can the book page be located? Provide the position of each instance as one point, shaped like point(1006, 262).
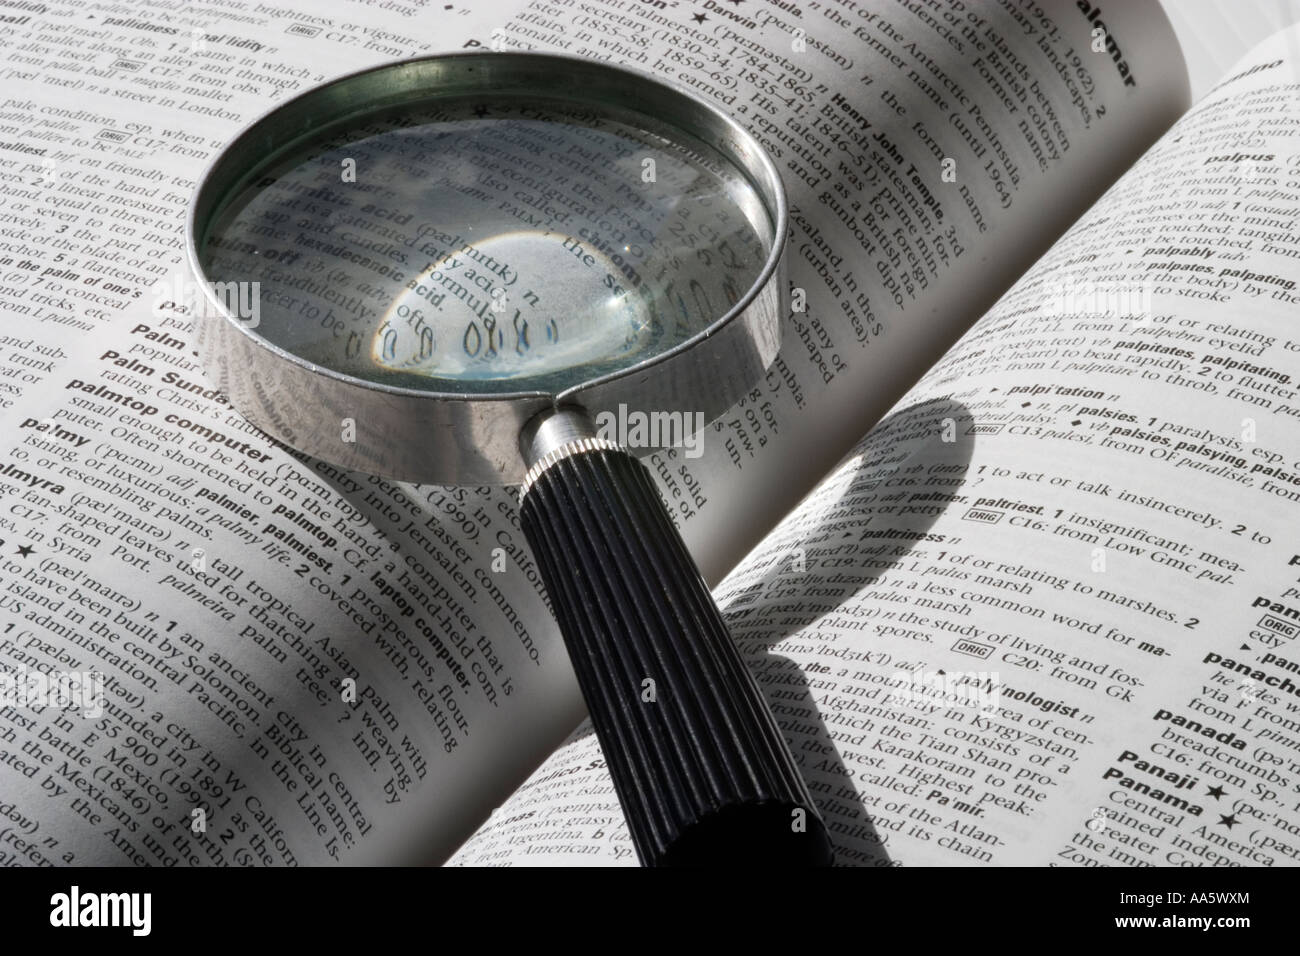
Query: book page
point(223, 593)
point(931, 152)
point(229, 593)
point(1046, 613)
point(1215, 34)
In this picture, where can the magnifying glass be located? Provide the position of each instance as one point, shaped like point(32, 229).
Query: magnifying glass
point(469, 259)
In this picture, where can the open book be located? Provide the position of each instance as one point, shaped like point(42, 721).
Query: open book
point(1019, 588)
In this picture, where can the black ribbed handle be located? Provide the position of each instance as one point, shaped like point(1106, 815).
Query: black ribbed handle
point(701, 768)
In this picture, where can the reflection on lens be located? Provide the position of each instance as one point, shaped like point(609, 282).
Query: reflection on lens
point(456, 249)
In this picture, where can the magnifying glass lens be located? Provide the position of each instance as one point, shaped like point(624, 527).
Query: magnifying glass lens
point(488, 246)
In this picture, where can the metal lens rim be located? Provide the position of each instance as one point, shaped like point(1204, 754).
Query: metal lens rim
point(420, 82)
